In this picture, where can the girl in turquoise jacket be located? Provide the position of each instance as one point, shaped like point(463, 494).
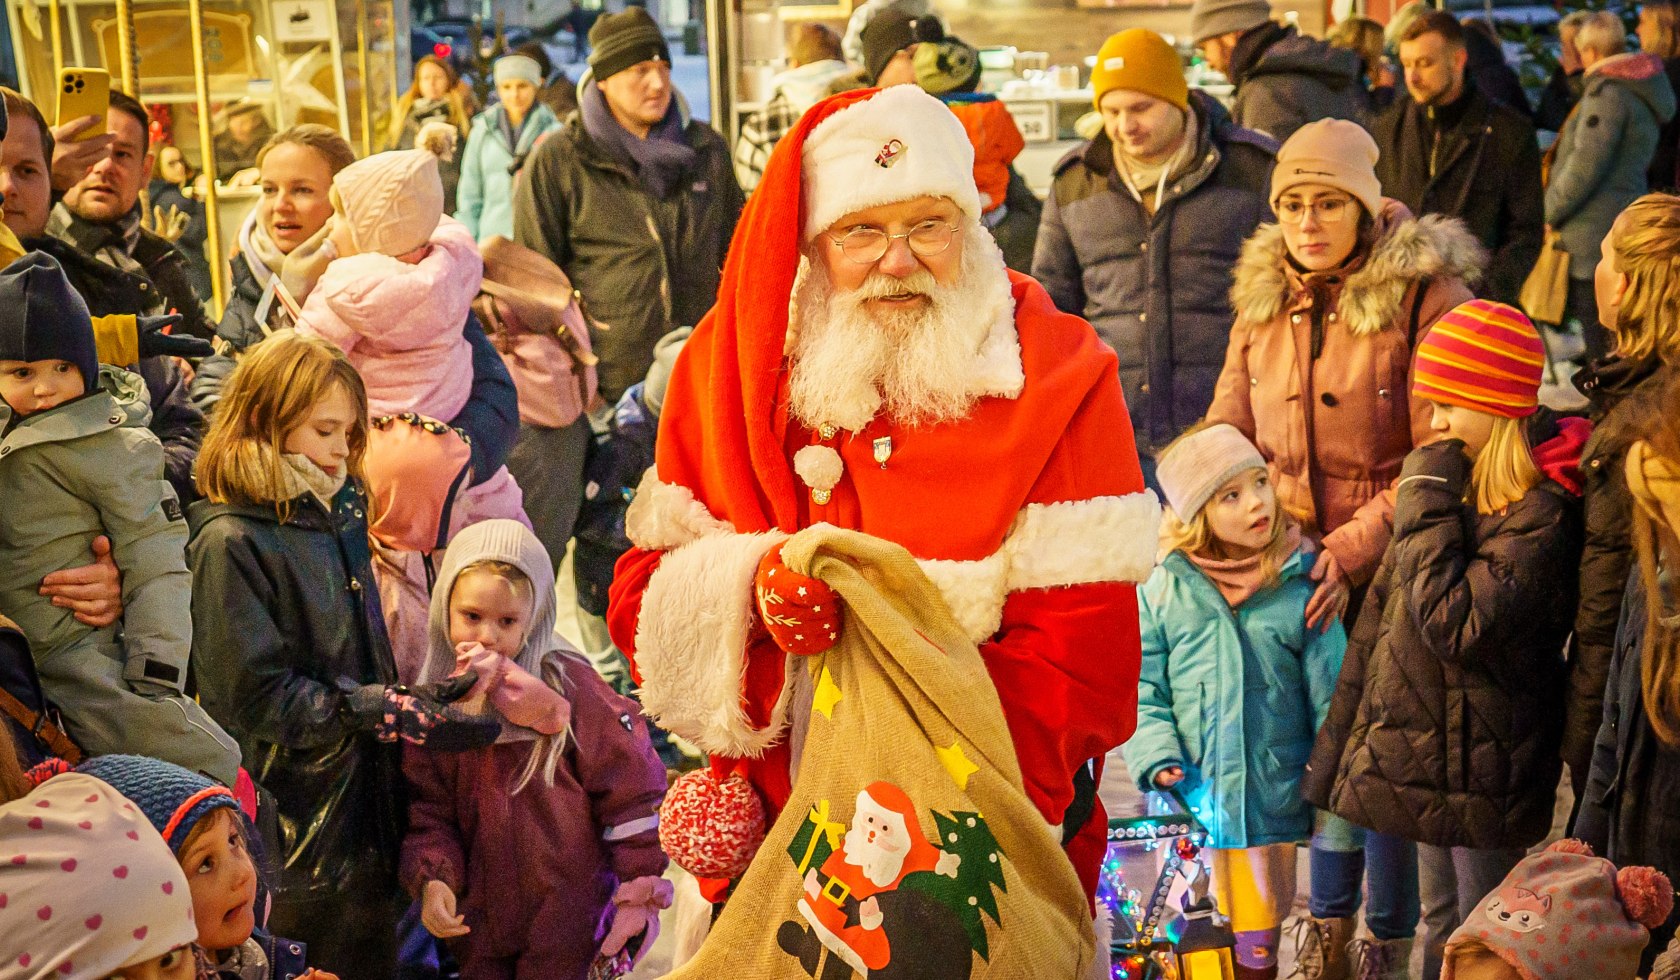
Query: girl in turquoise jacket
point(502, 136)
point(1234, 684)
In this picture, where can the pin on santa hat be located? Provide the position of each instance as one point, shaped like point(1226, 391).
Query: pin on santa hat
point(899, 144)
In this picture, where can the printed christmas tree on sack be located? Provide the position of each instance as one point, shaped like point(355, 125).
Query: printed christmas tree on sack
point(966, 837)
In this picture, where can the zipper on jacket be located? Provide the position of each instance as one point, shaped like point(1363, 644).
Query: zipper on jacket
point(664, 268)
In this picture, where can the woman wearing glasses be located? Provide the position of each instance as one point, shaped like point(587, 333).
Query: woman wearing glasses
point(1330, 302)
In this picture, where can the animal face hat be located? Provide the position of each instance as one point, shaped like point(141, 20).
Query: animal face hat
point(1563, 914)
point(86, 885)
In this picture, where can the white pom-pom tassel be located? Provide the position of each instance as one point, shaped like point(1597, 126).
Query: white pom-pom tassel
point(819, 467)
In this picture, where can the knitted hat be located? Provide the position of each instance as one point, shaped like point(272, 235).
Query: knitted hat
point(898, 144)
point(86, 885)
point(43, 318)
point(890, 32)
point(517, 67)
point(1197, 464)
point(1140, 60)
point(624, 40)
point(1563, 914)
point(172, 798)
point(1334, 152)
point(1212, 18)
point(391, 201)
point(414, 467)
point(951, 65)
point(1482, 355)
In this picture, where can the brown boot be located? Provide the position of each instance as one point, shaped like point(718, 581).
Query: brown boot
point(1256, 972)
point(1380, 959)
point(1321, 948)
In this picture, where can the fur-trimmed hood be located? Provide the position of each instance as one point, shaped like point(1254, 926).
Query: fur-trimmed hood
point(1406, 251)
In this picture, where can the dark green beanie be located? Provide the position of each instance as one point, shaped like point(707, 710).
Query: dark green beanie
point(623, 40)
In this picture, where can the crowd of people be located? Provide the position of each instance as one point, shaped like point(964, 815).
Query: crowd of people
point(283, 690)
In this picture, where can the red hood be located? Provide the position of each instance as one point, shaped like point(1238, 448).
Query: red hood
point(1634, 66)
point(1559, 457)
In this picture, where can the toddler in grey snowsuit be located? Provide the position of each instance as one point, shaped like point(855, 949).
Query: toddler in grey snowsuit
point(77, 461)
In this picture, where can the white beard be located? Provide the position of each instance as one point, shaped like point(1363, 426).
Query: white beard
point(920, 365)
point(878, 864)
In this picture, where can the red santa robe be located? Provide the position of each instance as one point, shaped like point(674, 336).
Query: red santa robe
point(1029, 514)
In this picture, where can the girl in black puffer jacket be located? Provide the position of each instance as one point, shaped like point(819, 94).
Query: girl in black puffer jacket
point(1445, 725)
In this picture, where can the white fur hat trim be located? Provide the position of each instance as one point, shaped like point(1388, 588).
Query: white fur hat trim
point(897, 145)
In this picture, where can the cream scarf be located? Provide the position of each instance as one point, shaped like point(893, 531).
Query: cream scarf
point(298, 269)
point(1148, 182)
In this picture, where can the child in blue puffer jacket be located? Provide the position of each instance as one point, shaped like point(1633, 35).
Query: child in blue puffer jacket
point(1234, 683)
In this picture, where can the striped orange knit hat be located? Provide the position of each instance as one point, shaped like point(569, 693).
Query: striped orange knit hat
point(1481, 355)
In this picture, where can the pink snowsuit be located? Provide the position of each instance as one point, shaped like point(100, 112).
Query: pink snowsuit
point(400, 326)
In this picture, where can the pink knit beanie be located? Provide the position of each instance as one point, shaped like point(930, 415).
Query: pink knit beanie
point(391, 202)
point(1333, 152)
point(86, 884)
point(1563, 914)
point(1197, 464)
point(1482, 355)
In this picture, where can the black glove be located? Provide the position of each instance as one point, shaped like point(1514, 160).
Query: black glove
point(395, 712)
point(153, 342)
point(447, 691)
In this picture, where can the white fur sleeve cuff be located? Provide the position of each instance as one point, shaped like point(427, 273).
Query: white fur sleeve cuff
point(691, 643)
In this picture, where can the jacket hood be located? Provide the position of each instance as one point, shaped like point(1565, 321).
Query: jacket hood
point(495, 540)
point(1558, 443)
point(1406, 250)
point(1294, 53)
point(807, 85)
point(1641, 74)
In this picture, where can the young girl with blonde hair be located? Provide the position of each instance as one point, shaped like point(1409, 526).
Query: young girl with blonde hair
point(1445, 726)
point(1234, 683)
point(1630, 811)
point(1637, 283)
point(290, 651)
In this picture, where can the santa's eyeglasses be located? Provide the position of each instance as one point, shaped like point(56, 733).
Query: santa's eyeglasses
point(866, 246)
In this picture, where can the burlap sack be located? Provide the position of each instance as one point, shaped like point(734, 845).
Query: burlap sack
point(909, 850)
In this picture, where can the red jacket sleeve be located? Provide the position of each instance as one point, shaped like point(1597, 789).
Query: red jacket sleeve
point(432, 848)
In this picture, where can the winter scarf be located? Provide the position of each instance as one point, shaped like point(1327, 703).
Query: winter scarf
point(298, 269)
point(1238, 579)
point(525, 689)
point(111, 243)
point(301, 475)
point(660, 161)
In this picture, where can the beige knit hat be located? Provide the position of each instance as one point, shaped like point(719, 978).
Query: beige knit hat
point(1198, 463)
point(1334, 152)
point(391, 202)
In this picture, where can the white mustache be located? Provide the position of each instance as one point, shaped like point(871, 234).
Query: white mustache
point(880, 284)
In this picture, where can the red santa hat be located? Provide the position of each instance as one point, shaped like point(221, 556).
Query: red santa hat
point(724, 389)
point(901, 144)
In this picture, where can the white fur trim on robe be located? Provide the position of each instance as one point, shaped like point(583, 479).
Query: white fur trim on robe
point(697, 609)
point(691, 642)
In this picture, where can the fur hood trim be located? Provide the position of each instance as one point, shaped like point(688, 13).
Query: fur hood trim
point(1407, 249)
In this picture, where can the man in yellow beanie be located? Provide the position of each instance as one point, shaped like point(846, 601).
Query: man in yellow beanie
point(1143, 226)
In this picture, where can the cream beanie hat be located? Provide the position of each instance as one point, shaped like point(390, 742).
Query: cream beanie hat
point(391, 201)
point(899, 144)
point(1196, 465)
point(1334, 152)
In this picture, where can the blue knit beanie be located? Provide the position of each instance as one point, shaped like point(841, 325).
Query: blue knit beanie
point(172, 798)
point(43, 318)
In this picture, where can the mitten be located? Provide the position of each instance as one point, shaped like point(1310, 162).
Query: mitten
point(636, 907)
point(802, 614)
point(393, 713)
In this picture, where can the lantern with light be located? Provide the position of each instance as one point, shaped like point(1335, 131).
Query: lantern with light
point(1142, 949)
point(1206, 950)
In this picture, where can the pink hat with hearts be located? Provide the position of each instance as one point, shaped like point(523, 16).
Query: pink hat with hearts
point(86, 884)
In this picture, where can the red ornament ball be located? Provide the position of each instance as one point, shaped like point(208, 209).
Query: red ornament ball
point(711, 828)
point(1186, 848)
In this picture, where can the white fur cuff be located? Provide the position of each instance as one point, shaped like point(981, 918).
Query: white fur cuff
point(691, 640)
point(1103, 539)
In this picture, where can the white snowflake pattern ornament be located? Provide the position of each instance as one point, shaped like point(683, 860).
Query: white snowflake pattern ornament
point(819, 467)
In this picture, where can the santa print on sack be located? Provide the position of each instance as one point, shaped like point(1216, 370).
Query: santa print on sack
point(883, 901)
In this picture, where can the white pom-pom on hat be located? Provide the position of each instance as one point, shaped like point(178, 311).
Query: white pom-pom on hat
point(818, 466)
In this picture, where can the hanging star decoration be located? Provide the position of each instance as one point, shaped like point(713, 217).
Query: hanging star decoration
point(956, 763)
point(827, 694)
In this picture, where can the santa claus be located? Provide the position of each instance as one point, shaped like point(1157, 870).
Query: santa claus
point(872, 364)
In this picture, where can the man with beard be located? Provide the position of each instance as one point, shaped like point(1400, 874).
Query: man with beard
point(1451, 150)
point(866, 320)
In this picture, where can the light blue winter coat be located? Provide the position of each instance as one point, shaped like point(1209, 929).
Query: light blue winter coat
point(484, 197)
point(1235, 697)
